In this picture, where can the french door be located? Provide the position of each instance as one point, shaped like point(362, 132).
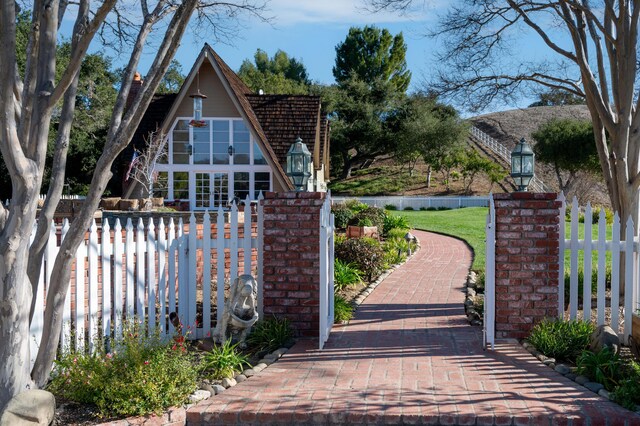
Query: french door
point(210, 190)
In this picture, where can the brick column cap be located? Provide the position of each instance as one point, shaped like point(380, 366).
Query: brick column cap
point(526, 196)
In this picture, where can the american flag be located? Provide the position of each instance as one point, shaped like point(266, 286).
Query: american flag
point(133, 162)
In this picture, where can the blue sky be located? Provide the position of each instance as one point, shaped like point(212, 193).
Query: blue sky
point(309, 30)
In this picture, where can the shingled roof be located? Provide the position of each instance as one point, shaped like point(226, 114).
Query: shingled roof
point(286, 117)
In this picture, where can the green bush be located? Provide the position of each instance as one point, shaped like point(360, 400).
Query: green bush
point(143, 375)
point(374, 214)
point(603, 367)
point(270, 334)
point(480, 281)
point(365, 221)
point(343, 311)
point(341, 214)
point(394, 222)
point(594, 282)
point(366, 254)
point(627, 393)
point(223, 361)
point(562, 340)
point(390, 207)
point(355, 206)
point(345, 274)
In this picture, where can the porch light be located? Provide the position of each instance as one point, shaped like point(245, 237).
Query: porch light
point(298, 164)
point(522, 162)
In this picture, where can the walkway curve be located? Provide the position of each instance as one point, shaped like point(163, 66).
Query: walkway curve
point(410, 357)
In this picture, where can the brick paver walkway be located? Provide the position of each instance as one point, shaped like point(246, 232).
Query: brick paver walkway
point(409, 356)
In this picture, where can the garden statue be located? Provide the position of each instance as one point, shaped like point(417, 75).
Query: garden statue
point(240, 311)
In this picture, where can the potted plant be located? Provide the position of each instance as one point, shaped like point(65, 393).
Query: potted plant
point(364, 228)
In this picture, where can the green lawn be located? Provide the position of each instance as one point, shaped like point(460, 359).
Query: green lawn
point(467, 224)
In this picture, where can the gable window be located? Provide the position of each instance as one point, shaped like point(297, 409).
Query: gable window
point(213, 163)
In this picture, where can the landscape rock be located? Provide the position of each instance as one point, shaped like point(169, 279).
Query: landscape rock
point(604, 393)
point(571, 376)
point(29, 408)
point(593, 386)
point(249, 372)
point(581, 380)
point(603, 337)
point(218, 389)
point(199, 395)
point(281, 352)
point(549, 361)
point(260, 365)
point(227, 382)
point(240, 378)
point(563, 369)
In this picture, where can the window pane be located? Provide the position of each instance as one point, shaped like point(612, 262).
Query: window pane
point(262, 183)
point(180, 142)
point(220, 189)
point(220, 153)
point(201, 143)
point(203, 200)
point(161, 185)
point(180, 185)
point(258, 158)
point(241, 185)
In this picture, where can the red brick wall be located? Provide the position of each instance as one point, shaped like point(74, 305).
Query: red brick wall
point(527, 248)
point(291, 259)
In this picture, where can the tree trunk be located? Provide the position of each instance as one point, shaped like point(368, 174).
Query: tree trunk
point(347, 165)
point(429, 177)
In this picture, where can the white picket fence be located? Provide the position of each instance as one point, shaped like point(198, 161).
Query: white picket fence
point(499, 149)
point(416, 203)
point(629, 275)
point(148, 272)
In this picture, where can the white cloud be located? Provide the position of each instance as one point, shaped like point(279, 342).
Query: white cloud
point(290, 12)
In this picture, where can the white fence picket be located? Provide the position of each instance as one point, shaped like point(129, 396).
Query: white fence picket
point(193, 271)
point(151, 276)
point(92, 283)
point(615, 272)
point(66, 312)
point(118, 253)
point(562, 244)
point(139, 287)
point(629, 257)
point(602, 265)
point(172, 243)
point(105, 257)
point(490, 278)
point(220, 263)
point(587, 261)
point(205, 327)
point(130, 269)
point(81, 254)
point(162, 278)
point(260, 253)
point(574, 245)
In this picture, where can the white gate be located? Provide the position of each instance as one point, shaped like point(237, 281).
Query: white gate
point(326, 270)
point(490, 278)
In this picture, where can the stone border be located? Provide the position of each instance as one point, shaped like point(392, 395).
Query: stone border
point(570, 373)
point(474, 317)
point(178, 415)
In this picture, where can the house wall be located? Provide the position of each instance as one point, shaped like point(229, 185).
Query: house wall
point(218, 102)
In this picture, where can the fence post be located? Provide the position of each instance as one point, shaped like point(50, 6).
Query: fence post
point(291, 258)
point(527, 250)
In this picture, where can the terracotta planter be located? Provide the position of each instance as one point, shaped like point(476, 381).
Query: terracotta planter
point(362, 231)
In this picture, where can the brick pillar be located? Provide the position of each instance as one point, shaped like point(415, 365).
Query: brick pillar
point(527, 250)
point(291, 259)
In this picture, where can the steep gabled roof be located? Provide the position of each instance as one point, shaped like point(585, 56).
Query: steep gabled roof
point(285, 117)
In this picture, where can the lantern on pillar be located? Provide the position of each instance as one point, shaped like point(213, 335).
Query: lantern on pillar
point(299, 164)
point(522, 162)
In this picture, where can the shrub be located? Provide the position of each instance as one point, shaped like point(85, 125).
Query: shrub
point(343, 311)
point(390, 207)
point(270, 334)
point(594, 282)
point(409, 208)
point(396, 233)
point(365, 221)
point(602, 367)
point(480, 281)
point(394, 222)
point(423, 209)
point(374, 214)
point(355, 206)
point(562, 340)
point(627, 393)
point(341, 214)
point(366, 254)
point(345, 274)
point(143, 375)
point(223, 361)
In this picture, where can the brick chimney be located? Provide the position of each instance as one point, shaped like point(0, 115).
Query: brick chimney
point(136, 84)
